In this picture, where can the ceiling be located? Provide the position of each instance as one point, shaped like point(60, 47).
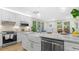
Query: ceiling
point(45, 13)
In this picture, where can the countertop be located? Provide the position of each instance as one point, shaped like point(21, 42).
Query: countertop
point(68, 37)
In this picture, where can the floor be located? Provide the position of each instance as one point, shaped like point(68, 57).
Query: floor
point(14, 47)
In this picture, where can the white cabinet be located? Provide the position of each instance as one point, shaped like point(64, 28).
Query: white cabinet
point(35, 42)
point(68, 46)
point(0, 40)
point(19, 37)
point(26, 44)
point(35, 46)
point(31, 43)
point(35, 38)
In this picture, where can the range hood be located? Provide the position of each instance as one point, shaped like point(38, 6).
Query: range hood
point(8, 23)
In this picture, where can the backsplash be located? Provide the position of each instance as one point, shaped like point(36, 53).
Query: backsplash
point(6, 28)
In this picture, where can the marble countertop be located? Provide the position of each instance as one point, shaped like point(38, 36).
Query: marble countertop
point(69, 37)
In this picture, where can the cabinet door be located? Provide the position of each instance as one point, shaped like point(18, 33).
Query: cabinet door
point(67, 27)
point(35, 46)
point(35, 38)
point(30, 44)
point(1, 41)
point(19, 37)
point(26, 44)
point(68, 46)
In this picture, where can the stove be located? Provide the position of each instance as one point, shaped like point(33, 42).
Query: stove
point(8, 38)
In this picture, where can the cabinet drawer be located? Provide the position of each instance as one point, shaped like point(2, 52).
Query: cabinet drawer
point(71, 46)
point(26, 45)
point(36, 47)
point(34, 38)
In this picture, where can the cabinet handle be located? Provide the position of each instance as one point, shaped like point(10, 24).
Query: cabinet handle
point(75, 48)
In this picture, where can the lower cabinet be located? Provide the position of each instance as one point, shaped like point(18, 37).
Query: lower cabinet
point(19, 37)
point(69, 46)
point(0, 40)
point(26, 44)
point(30, 45)
point(35, 46)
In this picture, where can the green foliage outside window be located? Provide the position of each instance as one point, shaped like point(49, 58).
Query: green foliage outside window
point(75, 13)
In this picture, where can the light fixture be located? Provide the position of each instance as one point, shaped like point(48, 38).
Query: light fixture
point(36, 14)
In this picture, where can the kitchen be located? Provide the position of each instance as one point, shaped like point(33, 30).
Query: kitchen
point(40, 28)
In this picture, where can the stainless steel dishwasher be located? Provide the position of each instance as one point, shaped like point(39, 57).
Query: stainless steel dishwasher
point(48, 44)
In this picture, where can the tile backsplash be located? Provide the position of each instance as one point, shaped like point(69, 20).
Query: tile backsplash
point(6, 28)
point(12, 28)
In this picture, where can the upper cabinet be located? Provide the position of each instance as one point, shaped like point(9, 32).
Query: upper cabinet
point(6, 15)
point(9, 16)
point(67, 27)
point(59, 26)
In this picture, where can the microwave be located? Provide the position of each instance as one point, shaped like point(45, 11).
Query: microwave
point(24, 24)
